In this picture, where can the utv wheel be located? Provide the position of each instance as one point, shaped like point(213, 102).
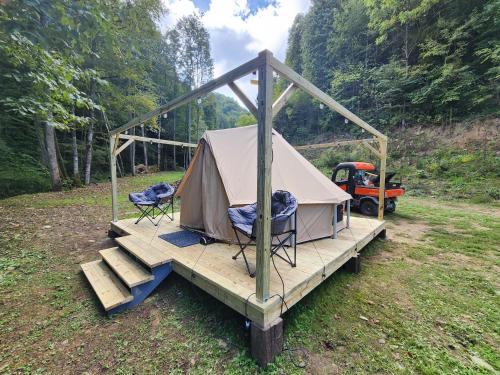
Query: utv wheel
point(368, 208)
point(391, 207)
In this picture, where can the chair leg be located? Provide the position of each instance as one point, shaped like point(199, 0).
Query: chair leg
point(149, 213)
point(295, 250)
point(239, 244)
point(242, 251)
point(281, 245)
point(172, 205)
point(169, 206)
point(251, 274)
point(144, 213)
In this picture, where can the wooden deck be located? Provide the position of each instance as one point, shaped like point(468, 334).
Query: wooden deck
point(212, 268)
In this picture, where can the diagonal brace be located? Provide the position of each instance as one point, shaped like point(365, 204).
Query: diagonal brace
point(240, 94)
point(283, 98)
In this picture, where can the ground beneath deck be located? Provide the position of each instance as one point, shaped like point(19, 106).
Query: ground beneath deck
point(228, 280)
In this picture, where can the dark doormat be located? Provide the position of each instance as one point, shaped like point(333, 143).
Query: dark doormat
point(182, 238)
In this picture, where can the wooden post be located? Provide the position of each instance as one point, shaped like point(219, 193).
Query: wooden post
point(335, 218)
point(348, 220)
point(266, 343)
point(383, 162)
point(114, 188)
point(264, 168)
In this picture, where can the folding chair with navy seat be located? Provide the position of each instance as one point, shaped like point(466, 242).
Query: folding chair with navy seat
point(154, 202)
point(283, 226)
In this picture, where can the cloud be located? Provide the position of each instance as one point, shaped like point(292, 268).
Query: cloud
point(176, 9)
point(238, 31)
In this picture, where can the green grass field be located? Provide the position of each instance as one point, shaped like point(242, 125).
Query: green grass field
point(427, 299)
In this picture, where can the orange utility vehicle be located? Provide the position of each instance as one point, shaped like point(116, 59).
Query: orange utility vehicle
point(362, 181)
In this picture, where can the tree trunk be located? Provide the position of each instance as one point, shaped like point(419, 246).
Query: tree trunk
point(50, 148)
point(132, 152)
point(41, 139)
point(90, 139)
point(74, 149)
point(197, 121)
point(407, 53)
point(158, 152)
point(189, 132)
point(174, 166)
point(60, 159)
point(145, 148)
point(88, 152)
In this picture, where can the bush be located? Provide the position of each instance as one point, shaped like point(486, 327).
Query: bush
point(21, 174)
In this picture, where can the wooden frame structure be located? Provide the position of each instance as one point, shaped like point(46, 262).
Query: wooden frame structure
point(266, 65)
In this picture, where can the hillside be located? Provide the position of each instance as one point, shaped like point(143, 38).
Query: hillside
point(449, 162)
point(394, 63)
point(228, 111)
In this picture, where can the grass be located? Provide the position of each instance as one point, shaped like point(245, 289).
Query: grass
point(95, 195)
point(426, 300)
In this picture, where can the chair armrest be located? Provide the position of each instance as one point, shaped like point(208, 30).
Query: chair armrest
point(165, 195)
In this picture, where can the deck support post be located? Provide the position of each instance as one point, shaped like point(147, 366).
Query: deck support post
point(335, 218)
point(348, 207)
point(353, 265)
point(266, 343)
point(264, 159)
point(381, 190)
point(114, 188)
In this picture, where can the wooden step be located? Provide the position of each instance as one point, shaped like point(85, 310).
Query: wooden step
point(146, 253)
point(131, 272)
point(109, 289)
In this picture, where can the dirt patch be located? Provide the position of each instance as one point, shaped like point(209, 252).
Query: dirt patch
point(155, 320)
point(406, 232)
point(461, 206)
point(467, 135)
point(320, 364)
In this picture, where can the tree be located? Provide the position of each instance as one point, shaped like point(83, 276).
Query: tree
point(39, 87)
point(294, 49)
point(317, 26)
point(394, 62)
point(195, 64)
point(246, 119)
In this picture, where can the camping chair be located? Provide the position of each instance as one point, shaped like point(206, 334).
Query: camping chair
point(154, 202)
point(283, 212)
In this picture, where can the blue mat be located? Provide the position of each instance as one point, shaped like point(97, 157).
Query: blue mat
point(182, 238)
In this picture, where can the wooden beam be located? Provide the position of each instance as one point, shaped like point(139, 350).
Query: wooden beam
point(264, 158)
point(240, 94)
point(123, 147)
point(114, 182)
point(156, 140)
point(117, 142)
point(381, 192)
point(283, 98)
point(371, 148)
point(208, 87)
point(334, 144)
point(315, 92)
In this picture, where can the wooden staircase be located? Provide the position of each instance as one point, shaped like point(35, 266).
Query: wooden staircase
point(127, 274)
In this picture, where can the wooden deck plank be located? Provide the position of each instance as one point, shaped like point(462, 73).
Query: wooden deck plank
point(131, 272)
point(109, 289)
point(213, 269)
point(145, 252)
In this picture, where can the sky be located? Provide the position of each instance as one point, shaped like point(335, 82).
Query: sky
point(239, 30)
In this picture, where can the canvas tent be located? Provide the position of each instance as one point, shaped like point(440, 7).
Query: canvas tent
point(223, 173)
